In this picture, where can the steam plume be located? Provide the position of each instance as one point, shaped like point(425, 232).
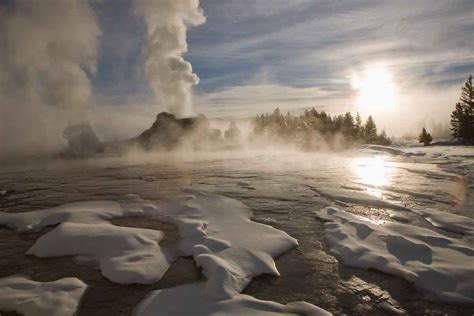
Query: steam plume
point(48, 48)
point(170, 76)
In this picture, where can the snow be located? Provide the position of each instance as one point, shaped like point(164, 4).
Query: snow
point(125, 254)
point(191, 299)
point(31, 298)
point(436, 264)
point(448, 221)
point(218, 232)
point(384, 149)
point(78, 212)
point(231, 249)
point(392, 151)
point(398, 216)
point(357, 198)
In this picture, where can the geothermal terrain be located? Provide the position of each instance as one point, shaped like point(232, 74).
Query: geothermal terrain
point(370, 231)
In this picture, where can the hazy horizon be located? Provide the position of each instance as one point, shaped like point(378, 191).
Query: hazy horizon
point(117, 64)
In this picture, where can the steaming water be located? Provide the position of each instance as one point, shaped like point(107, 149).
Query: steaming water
point(283, 189)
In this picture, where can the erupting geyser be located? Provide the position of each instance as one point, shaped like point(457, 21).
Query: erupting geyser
point(170, 76)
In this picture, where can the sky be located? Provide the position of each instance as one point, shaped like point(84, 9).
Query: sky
point(254, 55)
point(404, 62)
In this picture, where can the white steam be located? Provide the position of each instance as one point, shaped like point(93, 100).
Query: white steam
point(48, 48)
point(170, 76)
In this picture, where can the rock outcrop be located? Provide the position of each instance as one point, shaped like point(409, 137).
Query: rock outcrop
point(168, 132)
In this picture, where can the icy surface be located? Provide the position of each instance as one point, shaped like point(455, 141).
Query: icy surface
point(218, 233)
point(31, 298)
point(448, 221)
point(282, 189)
point(384, 149)
point(125, 254)
point(78, 212)
point(198, 303)
point(357, 198)
point(437, 264)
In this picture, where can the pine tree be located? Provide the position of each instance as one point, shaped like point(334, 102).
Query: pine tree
point(358, 126)
point(462, 118)
point(370, 130)
point(232, 134)
point(425, 137)
point(348, 125)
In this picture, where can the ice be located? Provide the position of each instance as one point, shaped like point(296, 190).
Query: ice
point(357, 198)
point(384, 149)
point(191, 299)
point(436, 264)
point(448, 221)
point(218, 232)
point(78, 212)
point(392, 151)
point(398, 216)
point(125, 254)
point(31, 298)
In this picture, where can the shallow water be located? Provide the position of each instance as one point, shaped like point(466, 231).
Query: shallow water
point(282, 189)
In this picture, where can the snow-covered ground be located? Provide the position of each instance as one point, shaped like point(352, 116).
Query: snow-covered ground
point(406, 212)
point(57, 298)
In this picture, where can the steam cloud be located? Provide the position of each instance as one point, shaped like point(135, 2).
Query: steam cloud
point(49, 46)
point(170, 76)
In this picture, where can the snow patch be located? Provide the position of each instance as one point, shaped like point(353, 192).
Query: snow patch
point(392, 151)
point(92, 212)
point(398, 216)
point(448, 221)
point(436, 264)
point(384, 149)
point(125, 254)
point(218, 232)
point(197, 303)
point(57, 298)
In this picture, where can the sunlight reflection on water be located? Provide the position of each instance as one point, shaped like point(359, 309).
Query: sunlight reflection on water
point(373, 172)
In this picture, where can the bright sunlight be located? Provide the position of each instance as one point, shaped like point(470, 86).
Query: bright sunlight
point(375, 89)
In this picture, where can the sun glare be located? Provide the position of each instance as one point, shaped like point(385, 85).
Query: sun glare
point(373, 172)
point(375, 89)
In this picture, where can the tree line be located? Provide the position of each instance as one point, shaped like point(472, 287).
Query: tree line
point(313, 129)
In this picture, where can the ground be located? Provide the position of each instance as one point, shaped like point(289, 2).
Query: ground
point(282, 192)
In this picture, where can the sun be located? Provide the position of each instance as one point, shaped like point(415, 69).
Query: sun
point(375, 89)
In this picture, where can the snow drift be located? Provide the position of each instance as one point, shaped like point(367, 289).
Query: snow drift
point(31, 298)
point(169, 302)
point(217, 231)
point(436, 264)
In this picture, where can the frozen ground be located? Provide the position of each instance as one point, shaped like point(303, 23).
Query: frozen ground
point(383, 187)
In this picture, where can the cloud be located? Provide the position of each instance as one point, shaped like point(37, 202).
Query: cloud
point(415, 106)
point(248, 100)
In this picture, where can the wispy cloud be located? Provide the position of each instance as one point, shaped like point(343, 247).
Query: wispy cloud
point(316, 46)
